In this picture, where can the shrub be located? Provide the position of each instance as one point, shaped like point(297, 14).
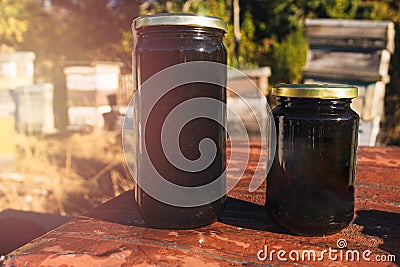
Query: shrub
point(289, 57)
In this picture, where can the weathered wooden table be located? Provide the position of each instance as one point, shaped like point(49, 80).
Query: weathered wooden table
point(114, 234)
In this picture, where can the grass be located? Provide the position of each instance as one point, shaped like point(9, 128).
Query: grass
point(66, 174)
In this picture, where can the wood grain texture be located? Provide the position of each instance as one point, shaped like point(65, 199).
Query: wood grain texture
point(361, 34)
point(346, 66)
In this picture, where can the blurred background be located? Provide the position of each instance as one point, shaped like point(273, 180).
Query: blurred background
point(65, 78)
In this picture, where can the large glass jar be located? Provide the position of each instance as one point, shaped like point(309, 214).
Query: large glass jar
point(162, 41)
point(310, 187)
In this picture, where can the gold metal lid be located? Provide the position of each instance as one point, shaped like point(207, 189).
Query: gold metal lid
point(323, 91)
point(180, 19)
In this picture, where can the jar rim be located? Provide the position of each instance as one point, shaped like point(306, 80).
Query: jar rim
point(180, 19)
point(322, 91)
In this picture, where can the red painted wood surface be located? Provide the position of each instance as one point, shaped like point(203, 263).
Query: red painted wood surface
point(114, 234)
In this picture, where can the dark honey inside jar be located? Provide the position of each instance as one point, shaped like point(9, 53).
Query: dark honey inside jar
point(165, 40)
point(310, 187)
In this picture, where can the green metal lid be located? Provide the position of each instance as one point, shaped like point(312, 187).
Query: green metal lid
point(180, 19)
point(323, 91)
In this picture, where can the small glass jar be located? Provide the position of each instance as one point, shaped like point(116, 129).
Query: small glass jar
point(310, 187)
point(162, 41)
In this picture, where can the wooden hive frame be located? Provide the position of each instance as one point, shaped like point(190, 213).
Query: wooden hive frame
point(355, 52)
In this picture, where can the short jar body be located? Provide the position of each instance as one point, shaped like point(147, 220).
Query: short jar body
point(157, 48)
point(310, 187)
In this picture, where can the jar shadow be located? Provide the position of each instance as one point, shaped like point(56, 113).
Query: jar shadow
point(123, 210)
point(381, 224)
point(249, 215)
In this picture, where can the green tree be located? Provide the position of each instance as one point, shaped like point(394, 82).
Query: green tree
point(379, 10)
point(279, 33)
point(124, 11)
point(290, 57)
point(101, 30)
point(13, 21)
point(79, 30)
point(250, 51)
point(341, 9)
point(276, 19)
point(248, 56)
point(84, 30)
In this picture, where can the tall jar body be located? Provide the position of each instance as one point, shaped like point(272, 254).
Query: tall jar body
point(157, 48)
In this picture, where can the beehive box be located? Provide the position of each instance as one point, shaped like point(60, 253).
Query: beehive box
point(87, 90)
point(90, 85)
point(355, 52)
point(34, 108)
point(16, 69)
point(87, 117)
